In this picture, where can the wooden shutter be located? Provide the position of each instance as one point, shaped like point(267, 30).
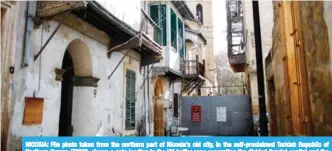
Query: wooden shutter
point(154, 13)
point(158, 15)
point(181, 37)
point(173, 30)
point(163, 23)
point(130, 99)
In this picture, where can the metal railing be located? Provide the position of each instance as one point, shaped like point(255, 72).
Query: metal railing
point(225, 90)
point(193, 67)
point(151, 29)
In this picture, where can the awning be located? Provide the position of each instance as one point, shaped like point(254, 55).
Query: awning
point(122, 35)
point(166, 71)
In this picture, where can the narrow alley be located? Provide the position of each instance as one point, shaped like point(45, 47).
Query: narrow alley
point(165, 68)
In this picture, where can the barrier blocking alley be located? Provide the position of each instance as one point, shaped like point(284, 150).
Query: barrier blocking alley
point(120, 68)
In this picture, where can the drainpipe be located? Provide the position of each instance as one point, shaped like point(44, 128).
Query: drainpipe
point(149, 101)
point(146, 106)
point(260, 71)
point(30, 15)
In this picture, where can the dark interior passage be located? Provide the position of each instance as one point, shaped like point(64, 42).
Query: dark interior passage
point(65, 125)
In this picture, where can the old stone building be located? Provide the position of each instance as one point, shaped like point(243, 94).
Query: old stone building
point(75, 68)
point(195, 81)
point(299, 69)
point(166, 75)
point(202, 10)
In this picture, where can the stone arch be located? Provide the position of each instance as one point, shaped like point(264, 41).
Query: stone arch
point(159, 87)
point(81, 57)
point(77, 88)
point(158, 107)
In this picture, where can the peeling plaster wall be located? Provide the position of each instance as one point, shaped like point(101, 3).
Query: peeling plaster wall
point(92, 115)
point(9, 19)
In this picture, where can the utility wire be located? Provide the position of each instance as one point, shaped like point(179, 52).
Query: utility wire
point(140, 34)
point(147, 76)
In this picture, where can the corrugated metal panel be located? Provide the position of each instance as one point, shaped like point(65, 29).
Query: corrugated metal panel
point(238, 115)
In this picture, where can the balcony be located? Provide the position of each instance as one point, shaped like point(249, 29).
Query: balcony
point(194, 73)
point(151, 29)
point(235, 35)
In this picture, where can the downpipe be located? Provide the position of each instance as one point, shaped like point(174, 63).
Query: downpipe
point(146, 108)
point(260, 71)
point(31, 11)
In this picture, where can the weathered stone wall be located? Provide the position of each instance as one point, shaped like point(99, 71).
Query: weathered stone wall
point(314, 44)
point(281, 104)
point(317, 54)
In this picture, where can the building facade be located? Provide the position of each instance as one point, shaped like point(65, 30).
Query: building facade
point(195, 81)
point(71, 74)
point(202, 10)
point(166, 75)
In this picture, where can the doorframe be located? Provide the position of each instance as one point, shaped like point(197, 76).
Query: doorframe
point(7, 51)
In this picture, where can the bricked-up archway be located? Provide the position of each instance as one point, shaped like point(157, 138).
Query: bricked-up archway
point(77, 64)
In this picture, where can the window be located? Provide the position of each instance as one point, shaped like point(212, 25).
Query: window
point(158, 15)
point(199, 92)
point(199, 12)
point(130, 99)
point(173, 30)
point(176, 105)
point(181, 38)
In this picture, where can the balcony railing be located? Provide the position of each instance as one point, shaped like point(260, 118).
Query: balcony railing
point(193, 68)
point(150, 28)
point(236, 37)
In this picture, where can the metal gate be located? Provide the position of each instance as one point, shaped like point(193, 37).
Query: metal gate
point(219, 115)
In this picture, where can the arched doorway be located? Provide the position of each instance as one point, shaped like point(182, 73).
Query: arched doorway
point(159, 123)
point(67, 87)
point(76, 63)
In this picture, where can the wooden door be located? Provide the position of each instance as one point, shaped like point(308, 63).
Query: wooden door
point(159, 129)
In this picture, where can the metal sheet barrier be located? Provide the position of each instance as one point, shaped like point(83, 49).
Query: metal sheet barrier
point(220, 115)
